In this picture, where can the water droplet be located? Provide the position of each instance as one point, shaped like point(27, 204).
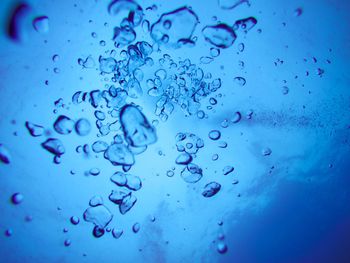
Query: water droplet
point(17, 198)
point(214, 135)
point(211, 189)
point(215, 157)
point(221, 35)
point(83, 127)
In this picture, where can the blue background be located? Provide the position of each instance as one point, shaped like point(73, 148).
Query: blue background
point(296, 212)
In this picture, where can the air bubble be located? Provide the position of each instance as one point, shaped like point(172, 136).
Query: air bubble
point(54, 146)
point(74, 220)
point(83, 127)
point(192, 173)
point(34, 129)
point(63, 125)
point(117, 233)
point(98, 215)
point(221, 248)
point(136, 227)
point(237, 116)
point(221, 35)
point(227, 170)
point(183, 159)
point(17, 198)
point(211, 189)
point(240, 81)
point(214, 135)
point(5, 156)
point(176, 26)
point(266, 151)
point(231, 4)
point(41, 24)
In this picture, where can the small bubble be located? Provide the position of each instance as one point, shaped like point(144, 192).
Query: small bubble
point(224, 123)
point(117, 233)
point(298, 11)
point(170, 173)
point(214, 135)
point(136, 227)
point(74, 220)
point(17, 198)
point(240, 81)
point(67, 242)
point(55, 58)
point(221, 247)
point(266, 151)
point(94, 171)
point(236, 117)
point(8, 232)
point(215, 157)
point(285, 90)
point(214, 52)
point(240, 47)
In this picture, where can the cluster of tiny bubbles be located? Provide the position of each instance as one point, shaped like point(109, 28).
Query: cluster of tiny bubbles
point(174, 84)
